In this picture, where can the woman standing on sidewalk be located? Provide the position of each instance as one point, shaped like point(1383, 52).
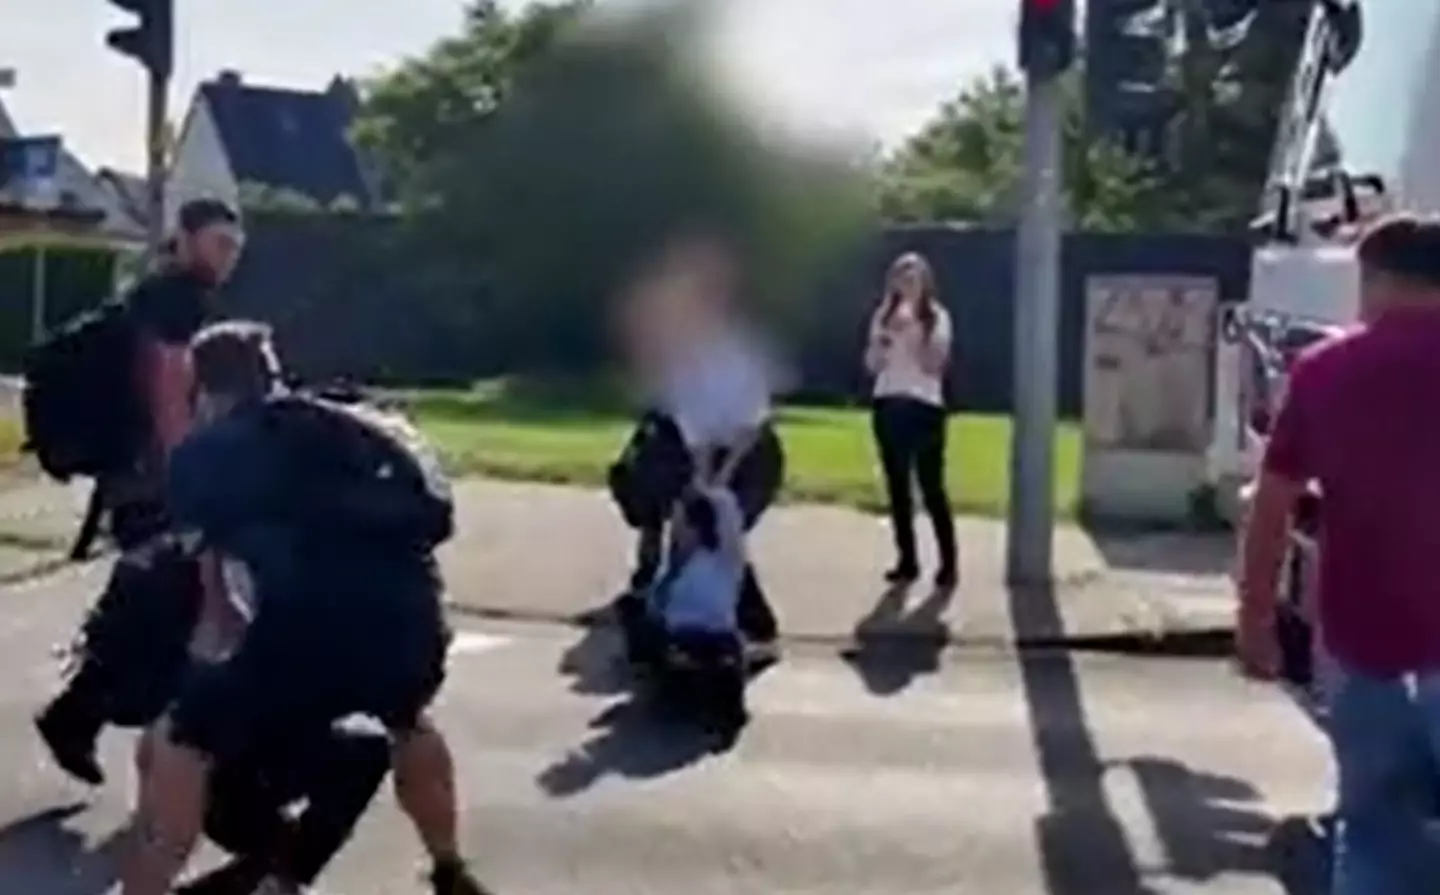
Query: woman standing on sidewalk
point(907, 352)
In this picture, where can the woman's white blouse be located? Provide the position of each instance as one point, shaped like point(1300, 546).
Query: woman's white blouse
point(901, 371)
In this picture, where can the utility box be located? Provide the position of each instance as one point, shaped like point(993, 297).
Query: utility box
point(1149, 347)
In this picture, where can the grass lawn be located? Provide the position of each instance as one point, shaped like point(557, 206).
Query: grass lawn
point(830, 451)
point(11, 438)
point(492, 431)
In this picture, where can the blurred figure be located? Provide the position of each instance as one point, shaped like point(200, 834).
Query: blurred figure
point(703, 369)
point(907, 352)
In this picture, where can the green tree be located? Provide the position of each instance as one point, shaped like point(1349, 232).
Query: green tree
point(541, 155)
point(966, 164)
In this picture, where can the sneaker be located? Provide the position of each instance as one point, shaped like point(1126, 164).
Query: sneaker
point(761, 653)
point(455, 879)
point(71, 749)
point(903, 573)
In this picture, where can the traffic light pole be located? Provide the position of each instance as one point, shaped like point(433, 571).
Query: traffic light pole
point(1029, 546)
point(156, 114)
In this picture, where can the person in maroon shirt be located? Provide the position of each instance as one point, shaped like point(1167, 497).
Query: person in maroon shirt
point(1361, 418)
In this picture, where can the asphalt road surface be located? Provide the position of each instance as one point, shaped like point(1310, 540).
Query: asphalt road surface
point(963, 773)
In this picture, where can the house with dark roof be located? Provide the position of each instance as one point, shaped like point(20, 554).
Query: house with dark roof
point(238, 137)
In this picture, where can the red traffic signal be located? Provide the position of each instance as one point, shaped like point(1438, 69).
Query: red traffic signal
point(1047, 36)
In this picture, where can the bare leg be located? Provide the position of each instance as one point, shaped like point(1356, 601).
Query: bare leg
point(169, 818)
point(425, 788)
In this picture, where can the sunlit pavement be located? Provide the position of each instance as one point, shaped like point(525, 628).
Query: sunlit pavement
point(968, 772)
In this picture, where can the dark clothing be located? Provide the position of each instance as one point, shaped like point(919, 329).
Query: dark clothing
point(756, 484)
point(337, 772)
point(341, 626)
point(171, 306)
point(911, 438)
point(1360, 418)
point(701, 673)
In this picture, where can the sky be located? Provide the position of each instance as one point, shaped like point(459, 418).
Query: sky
point(840, 67)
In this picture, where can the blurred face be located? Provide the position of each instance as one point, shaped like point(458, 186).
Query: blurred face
point(908, 280)
point(213, 250)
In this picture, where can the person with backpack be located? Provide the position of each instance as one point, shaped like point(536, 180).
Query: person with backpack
point(334, 512)
point(106, 397)
point(708, 375)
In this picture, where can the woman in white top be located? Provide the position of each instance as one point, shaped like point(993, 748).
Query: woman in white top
point(707, 373)
point(908, 352)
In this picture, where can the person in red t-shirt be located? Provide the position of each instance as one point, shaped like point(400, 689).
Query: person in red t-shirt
point(1361, 418)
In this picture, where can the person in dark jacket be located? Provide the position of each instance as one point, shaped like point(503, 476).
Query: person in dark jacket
point(168, 307)
point(347, 611)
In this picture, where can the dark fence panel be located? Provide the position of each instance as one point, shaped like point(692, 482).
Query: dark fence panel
point(975, 273)
point(343, 303)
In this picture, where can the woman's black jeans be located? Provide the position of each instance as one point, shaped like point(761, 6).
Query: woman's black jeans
point(911, 438)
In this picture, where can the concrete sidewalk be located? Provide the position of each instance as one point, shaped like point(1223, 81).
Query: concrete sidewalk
point(552, 553)
point(533, 551)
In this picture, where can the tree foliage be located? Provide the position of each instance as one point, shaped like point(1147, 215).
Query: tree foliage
point(966, 165)
point(540, 155)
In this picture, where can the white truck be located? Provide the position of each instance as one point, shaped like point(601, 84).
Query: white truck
point(1359, 136)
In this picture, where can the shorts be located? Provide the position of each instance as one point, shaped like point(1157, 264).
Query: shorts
point(289, 681)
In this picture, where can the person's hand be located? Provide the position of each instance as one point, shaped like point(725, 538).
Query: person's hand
point(1257, 647)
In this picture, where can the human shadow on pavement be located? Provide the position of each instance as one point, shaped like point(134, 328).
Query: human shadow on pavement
point(595, 663)
point(1208, 824)
point(1202, 822)
point(892, 645)
point(632, 742)
point(39, 855)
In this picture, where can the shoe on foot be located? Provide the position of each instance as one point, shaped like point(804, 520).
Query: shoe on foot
point(947, 578)
point(760, 653)
point(71, 749)
point(903, 573)
point(454, 878)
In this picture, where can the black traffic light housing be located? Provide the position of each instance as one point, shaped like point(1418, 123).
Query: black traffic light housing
point(150, 41)
point(1047, 37)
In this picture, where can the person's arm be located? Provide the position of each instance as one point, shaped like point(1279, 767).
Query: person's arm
point(877, 346)
point(1287, 467)
point(167, 381)
point(752, 397)
point(935, 351)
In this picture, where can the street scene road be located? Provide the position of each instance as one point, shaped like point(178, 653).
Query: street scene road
point(989, 772)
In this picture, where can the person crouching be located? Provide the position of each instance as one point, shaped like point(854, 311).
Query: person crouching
point(683, 629)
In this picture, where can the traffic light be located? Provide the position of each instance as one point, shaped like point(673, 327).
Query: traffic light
point(1047, 37)
point(150, 40)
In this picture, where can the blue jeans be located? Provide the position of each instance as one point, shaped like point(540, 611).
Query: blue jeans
point(1386, 735)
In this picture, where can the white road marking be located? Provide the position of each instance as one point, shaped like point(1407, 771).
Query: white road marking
point(470, 642)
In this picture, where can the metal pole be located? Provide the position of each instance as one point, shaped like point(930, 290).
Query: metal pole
point(1037, 322)
point(155, 164)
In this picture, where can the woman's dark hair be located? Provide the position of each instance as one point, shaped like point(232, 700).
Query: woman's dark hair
point(700, 515)
point(927, 313)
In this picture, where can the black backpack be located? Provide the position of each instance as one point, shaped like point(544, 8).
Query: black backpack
point(651, 471)
point(354, 470)
point(83, 414)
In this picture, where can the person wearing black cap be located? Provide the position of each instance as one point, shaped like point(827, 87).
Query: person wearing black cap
point(165, 310)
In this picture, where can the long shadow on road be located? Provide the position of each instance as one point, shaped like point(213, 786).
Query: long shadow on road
point(40, 856)
point(1203, 827)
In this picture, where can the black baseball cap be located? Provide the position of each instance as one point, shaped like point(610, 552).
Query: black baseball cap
point(197, 214)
